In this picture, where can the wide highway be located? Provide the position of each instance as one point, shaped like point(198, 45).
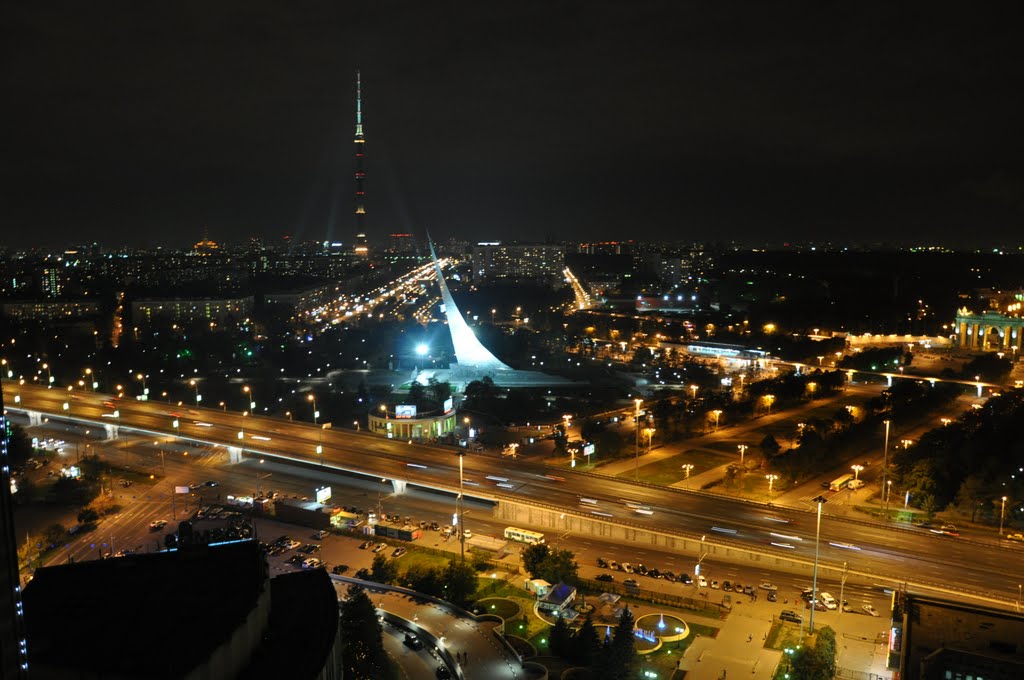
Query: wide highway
point(894, 554)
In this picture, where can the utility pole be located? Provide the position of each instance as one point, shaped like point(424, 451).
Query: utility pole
point(842, 586)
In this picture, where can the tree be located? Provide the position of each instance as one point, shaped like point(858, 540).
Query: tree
point(383, 570)
point(817, 661)
point(618, 655)
point(55, 535)
point(363, 653)
point(586, 645)
point(533, 557)
point(561, 639)
point(460, 582)
point(88, 516)
point(769, 446)
point(424, 579)
point(970, 496)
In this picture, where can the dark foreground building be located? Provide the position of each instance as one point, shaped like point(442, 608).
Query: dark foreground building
point(13, 659)
point(199, 612)
point(943, 640)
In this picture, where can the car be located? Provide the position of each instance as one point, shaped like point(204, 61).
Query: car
point(602, 562)
point(715, 585)
point(380, 547)
point(791, 616)
point(748, 590)
point(466, 533)
point(607, 578)
point(702, 582)
point(399, 552)
point(669, 576)
point(443, 673)
point(949, 530)
point(614, 566)
point(627, 567)
point(194, 486)
point(157, 524)
point(434, 526)
point(630, 583)
point(871, 611)
point(412, 642)
point(296, 559)
point(339, 568)
point(641, 569)
point(126, 483)
point(1015, 537)
point(654, 573)
point(211, 482)
point(424, 524)
point(310, 548)
point(829, 601)
point(767, 585)
point(365, 544)
point(312, 563)
point(773, 596)
point(321, 534)
point(685, 579)
point(727, 586)
point(291, 544)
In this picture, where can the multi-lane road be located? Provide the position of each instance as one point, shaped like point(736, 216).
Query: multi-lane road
point(888, 553)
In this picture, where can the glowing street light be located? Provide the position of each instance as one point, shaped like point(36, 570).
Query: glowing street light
point(687, 467)
point(716, 413)
point(195, 383)
point(771, 483)
point(316, 414)
point(422, 349)
point(856, 471)
point(743, 449)
point(945, 421)
point(142, 378)
point(251, 396)
point(769, 399)
point(693, 389)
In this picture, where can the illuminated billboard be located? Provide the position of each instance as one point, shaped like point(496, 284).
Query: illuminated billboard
point(323, 495)
point(405, 411)
point(449, 404)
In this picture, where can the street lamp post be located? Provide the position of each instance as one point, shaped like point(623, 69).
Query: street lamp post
point(687, 467)
point(885, 463)
point(770, 398)
point(251, 397)
point(142, 377)
point(195, 383)
point(716, 413)
point(461, 511)
point(743, 451)
point(1002, 512)
point(814, 580)
point(316, 414)
point(856, 471)
point(636, 422)
point(693, 388)
point(771, 484)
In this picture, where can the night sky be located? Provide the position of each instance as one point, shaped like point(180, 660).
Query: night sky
point(144, 123)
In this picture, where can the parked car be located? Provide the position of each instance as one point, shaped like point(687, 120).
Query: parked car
point(312, 563)
point(614, 566)
point(630, 583)
point(412, 642)
point(767, 585)
point(773, 596)
point(727, 586)
point(715, 585)
point(868, 609)
point(379, 547)
point(399, 552)
point(365, 544)
point(339, 568)
point(1015, 537)
point(627, 567)
point(321, 534)
point(602, 562)
point(669, 576)
point(608, 578)
point(685, 579)
point(791, 616)
point(702, 582)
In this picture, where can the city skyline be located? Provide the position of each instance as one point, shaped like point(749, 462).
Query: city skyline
point(659, 121)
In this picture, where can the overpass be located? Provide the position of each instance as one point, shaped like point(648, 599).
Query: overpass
point(537, 496)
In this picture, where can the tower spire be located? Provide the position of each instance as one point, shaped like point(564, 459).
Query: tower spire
point(361, 247)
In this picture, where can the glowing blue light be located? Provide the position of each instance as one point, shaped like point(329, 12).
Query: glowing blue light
point(422, 349)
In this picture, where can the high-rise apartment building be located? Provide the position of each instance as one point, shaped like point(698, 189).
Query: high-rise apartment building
point(518, 262)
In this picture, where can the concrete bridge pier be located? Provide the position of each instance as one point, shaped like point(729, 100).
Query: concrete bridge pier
point(234, 454)
point(34, 418)
point(398, 485)
point(110, 431)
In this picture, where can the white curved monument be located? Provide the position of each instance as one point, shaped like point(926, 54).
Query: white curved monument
point(469, 351)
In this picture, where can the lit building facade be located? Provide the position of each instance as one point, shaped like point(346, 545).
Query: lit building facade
point(514, 262)
point(1000, 328)
point(50, 310)
point(13, 650)
point(224, 311)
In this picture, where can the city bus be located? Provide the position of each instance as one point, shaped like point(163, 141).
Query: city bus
point(523, 535)
point(840, 483)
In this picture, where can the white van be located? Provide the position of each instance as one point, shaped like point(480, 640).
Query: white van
point(829, 601)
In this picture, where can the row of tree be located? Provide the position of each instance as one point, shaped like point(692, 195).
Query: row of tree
point(455, 582)
point(610, 658)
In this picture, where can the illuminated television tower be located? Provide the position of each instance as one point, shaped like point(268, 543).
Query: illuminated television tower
point(361, 247)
